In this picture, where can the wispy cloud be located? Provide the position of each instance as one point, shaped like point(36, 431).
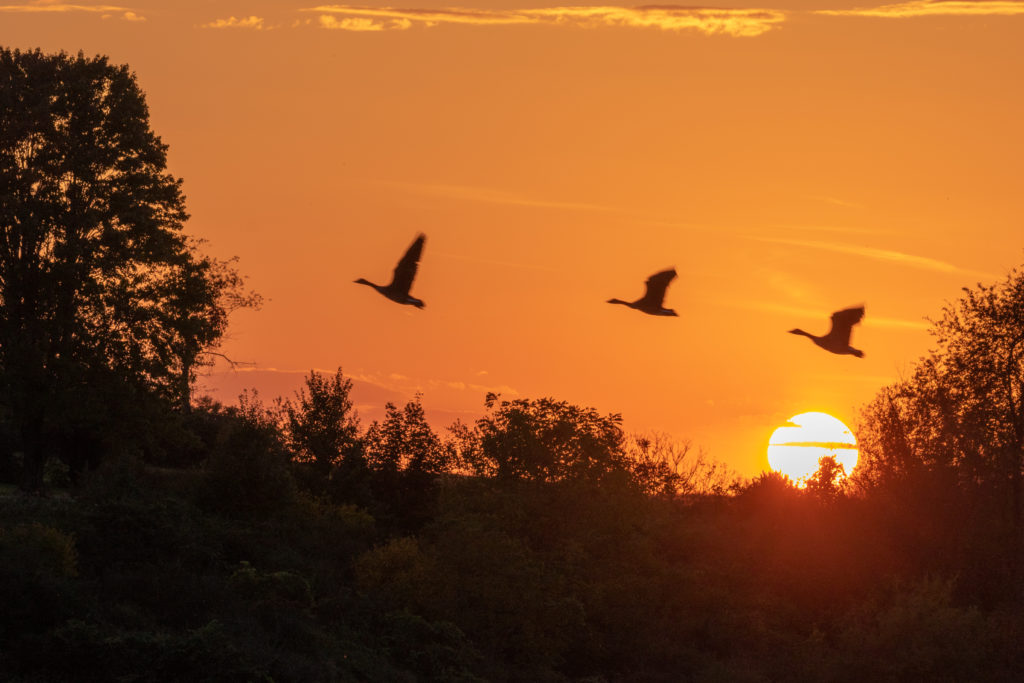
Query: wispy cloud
point(789, 285)
point(856, 377)
point(410, 385)
point(842, 229)
point(838, 202)
point(899, 324)
point(830, 445)
point(932, 8)
point(771, 307)
point(253, 22)
point(503, 389)
point(885, 255)
point(493, 262)
point(363, 23)
point(709, 21)
point(391, 381)
point(823, 314)
point(492, 196)
point(52, 7)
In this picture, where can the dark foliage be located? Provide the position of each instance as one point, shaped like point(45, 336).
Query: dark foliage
point(322, 425)
point(232, 571)
point(106, 308)
point(943, 450)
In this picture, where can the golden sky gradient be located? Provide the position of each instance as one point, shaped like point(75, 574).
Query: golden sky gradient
point(789, 159)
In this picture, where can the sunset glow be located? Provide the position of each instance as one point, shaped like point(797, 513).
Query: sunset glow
point(795, 448)
point(788, 159)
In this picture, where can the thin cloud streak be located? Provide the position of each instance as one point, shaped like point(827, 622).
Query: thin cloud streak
point(884, 255)
point(491, 262)
point(846, 230)
point(837, 201)
point(899, 324)
point(500, 389)
point(877, 380)
point(830, 445)
point(709, 21)
point(490, 196)
point(126, 13)
point(392, 381)
point(817, 314)
point(253, 22)
point(926, 8)
point(362, 24)
point(705, 227)
point(407, 384)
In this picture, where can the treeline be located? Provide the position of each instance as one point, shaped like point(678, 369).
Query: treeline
point(538, 543)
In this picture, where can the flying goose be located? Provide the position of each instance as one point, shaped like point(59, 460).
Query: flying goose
point(838, 338)
point(405, 271)
point(651, 301)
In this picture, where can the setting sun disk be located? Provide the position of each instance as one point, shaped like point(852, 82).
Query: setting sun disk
point(795, 448)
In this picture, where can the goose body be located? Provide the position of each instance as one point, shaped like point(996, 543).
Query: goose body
point(652, 302)
point(405, 272)
point(838, 338)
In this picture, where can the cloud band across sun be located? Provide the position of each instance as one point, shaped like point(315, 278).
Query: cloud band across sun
point(709, 21)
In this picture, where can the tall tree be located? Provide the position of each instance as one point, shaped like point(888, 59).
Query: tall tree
point(103, 301)
point(322, 424)
point(960, 416)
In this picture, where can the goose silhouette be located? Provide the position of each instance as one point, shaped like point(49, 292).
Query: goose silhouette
point(401, 281)
point(652, 300)
point(838, 338)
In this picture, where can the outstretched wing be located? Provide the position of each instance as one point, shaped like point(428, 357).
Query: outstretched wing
point(843, 322)
point(405, 271)
point(656, 286)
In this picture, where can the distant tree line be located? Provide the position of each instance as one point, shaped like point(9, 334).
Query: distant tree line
point(526, 440)
point(288, 543)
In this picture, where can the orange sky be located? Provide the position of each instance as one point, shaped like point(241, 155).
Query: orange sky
point(788, 160)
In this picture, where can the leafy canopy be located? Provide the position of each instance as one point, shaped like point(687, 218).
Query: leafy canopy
point(103, 299)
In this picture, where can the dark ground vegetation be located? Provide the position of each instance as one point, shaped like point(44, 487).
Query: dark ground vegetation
point(535, 546)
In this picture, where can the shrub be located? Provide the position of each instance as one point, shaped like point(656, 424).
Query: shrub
point(248, 472)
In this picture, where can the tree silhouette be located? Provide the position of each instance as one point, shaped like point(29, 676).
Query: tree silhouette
point(405, 441)
point(546, 440)
point(662, 464)
point(960, 416)
point(200, 296)
point(103, 301)
point(323, 428)
point(828, 482)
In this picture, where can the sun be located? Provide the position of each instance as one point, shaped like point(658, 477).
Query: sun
point(795, 448)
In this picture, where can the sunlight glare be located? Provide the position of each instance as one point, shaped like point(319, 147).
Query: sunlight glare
point(795, 448)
